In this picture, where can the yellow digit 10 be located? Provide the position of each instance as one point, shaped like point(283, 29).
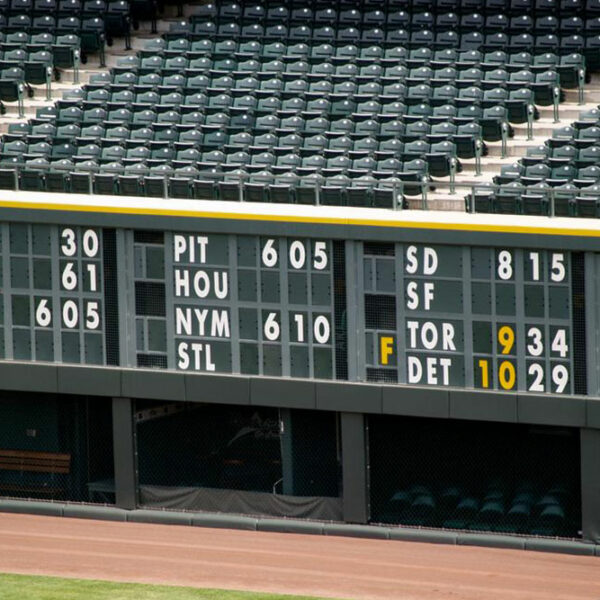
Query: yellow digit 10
point(506, 338)
point(507, 375)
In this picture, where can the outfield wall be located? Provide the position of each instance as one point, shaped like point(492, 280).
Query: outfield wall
point(411, 369)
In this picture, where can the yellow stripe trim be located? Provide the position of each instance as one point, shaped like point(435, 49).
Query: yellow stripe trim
point(165, 212)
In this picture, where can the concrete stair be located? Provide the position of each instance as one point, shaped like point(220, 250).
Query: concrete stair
point(442, 199)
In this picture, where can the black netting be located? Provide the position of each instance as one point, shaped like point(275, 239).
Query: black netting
point(478, 476)
point(579, 331)
point(205, 457)
point(340, 311)
point(111, 296)
point(56, 448)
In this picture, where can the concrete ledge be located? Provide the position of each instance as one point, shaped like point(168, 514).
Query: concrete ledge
point(290, 526)
point(491, 540)
point(223, 521)
point(53, 509)
point(80, 380)
point(428, 536)
point(360, 531)
point(159, 516)
point(155, 385)
point(570, 411)
point(100, 513)
point(29, 377)
point(561, 546)
point(282, 393)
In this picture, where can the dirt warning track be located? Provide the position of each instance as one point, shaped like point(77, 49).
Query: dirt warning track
point(288, 563)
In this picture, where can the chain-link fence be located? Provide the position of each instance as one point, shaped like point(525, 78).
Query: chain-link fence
point(251, 460)
point(56, 448)
point(504, 478)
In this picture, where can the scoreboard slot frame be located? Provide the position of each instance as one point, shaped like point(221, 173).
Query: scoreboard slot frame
point(501, 377)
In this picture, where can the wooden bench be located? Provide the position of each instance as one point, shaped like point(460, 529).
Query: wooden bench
point(26, 461)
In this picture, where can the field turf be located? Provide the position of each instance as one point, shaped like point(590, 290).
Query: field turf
point(25, 587)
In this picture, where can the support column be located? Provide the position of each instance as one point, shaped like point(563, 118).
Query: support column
point(354, 468)
point(124, 452)
point(590, 484)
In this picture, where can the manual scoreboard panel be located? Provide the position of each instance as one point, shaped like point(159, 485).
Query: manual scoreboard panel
point(490, 318)
point(235, 304)
point(54, 297)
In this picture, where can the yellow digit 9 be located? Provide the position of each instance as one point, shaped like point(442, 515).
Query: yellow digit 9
point(507, 375)
point(506, 338)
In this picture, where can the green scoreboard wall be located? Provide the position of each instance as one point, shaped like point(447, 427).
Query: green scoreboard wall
point(456, 308)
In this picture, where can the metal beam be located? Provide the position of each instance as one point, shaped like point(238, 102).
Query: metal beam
point(124, 452)
point(590, 484)
point(354, 468)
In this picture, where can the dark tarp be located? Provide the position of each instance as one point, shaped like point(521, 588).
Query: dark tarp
point(241, 502)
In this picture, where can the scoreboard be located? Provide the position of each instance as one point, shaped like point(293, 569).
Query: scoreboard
point(427, 314)
point(489, 318)
point(258, 305)
point(54, 300)
point(235, 304)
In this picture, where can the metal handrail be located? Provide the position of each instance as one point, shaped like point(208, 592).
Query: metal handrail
point(317, 181)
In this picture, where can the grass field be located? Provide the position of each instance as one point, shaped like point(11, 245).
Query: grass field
point(24, 587)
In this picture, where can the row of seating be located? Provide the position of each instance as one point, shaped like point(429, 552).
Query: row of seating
point(381, 139)
point(571, 150)
point(446, 36)
point(362, 156)
point(362, 54)
point(541, 199)
point(96, 8)
point(35, 41)
point(215, 110)
point(338, 155)
point(475, 21)
point(524, 511)
point(471, 40)
point(91, 31)
point(180, 183)
point(417, 66)
point(309, 10)
point(337, 100)
point(323, 96)
point(555, 176)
